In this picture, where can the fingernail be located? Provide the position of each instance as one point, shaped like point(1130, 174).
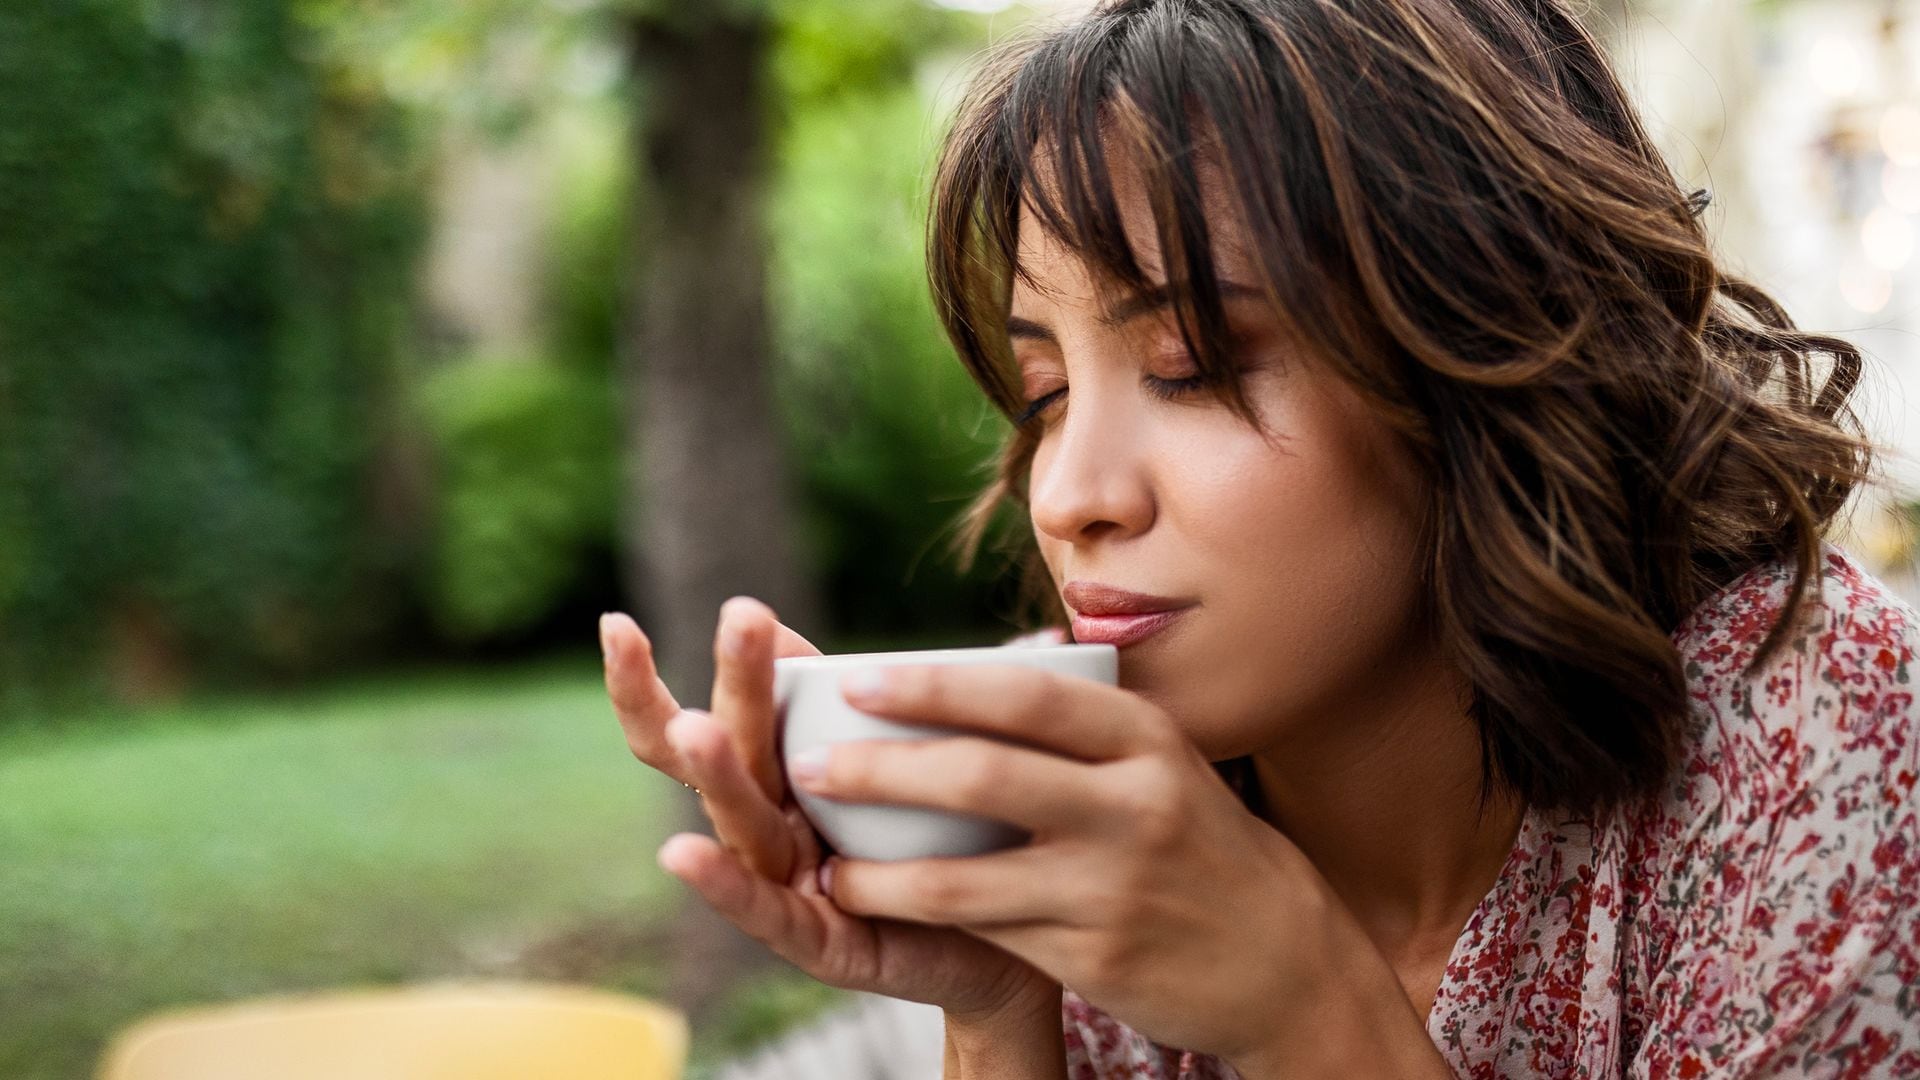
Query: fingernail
point(733, 638)
point(660, 855)
point(871, 683)
point(825, 874)
point(808, 765)
point(606, 635)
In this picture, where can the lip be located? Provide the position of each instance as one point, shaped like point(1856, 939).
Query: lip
point(1094, 598)
point(1108, 614)
point(1120, 630)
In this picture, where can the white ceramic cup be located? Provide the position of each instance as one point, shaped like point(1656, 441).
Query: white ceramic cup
point(812, 712)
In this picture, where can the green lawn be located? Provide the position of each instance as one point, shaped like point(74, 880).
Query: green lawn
point(473, 824)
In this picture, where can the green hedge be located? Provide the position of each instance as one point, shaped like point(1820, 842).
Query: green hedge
point(207, 244)
point(526, 490)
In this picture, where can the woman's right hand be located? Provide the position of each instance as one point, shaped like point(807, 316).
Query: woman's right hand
point(761, 870)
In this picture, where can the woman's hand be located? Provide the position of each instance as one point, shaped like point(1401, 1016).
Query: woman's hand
point(760, 871)
point(743, 701)
point(1147, 887)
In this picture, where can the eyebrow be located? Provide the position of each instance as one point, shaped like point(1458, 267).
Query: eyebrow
point(1140, 303)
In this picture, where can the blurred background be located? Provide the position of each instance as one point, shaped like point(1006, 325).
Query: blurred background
point(356, 354)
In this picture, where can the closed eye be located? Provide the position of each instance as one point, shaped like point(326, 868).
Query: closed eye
point(1165, 389)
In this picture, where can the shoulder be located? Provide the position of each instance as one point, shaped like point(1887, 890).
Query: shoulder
point(1832, 706)
point(1775, 883)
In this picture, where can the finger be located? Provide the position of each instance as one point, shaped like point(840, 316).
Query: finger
point(1033, 789)
point(773, 914)
point(743, 687)
point(1063, 713)
point(1019, 885)
point(743, 818)
point(640, 699)
point(806, 843)
point(788, 643)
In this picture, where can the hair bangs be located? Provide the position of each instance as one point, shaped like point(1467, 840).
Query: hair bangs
point(1109, 109)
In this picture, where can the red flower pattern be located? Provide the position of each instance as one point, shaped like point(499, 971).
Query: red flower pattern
point(1759, 919)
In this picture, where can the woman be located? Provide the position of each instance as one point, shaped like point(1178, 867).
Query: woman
point(1513, 718)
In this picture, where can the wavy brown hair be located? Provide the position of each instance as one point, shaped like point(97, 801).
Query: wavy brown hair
point(1453, 205)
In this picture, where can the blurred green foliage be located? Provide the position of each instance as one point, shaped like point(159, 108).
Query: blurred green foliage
point(226, 448)
point(526, 487)
point(207, 252)
point(526, 446)
point(887, 437)
point(583, 277)
point(891, 436)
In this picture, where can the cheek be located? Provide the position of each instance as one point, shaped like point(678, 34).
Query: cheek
point(1316, 523)
point(1307, 548)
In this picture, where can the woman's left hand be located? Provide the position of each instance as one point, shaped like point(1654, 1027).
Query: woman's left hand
point(1147, 887)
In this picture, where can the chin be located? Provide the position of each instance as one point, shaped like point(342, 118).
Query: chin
point(1201, 728)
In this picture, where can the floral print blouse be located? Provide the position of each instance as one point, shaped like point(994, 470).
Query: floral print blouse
point(1761, 919)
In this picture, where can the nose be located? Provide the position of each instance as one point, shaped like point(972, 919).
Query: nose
point(1092, 476)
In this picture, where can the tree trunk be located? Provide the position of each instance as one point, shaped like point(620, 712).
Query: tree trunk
point(707, 513)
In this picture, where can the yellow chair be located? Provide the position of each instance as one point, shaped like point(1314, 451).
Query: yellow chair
point(451, 1031)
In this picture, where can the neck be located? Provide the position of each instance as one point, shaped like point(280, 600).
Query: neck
point(1385, 801)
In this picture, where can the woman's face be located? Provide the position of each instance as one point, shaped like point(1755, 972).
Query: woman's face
point(1296, 555)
